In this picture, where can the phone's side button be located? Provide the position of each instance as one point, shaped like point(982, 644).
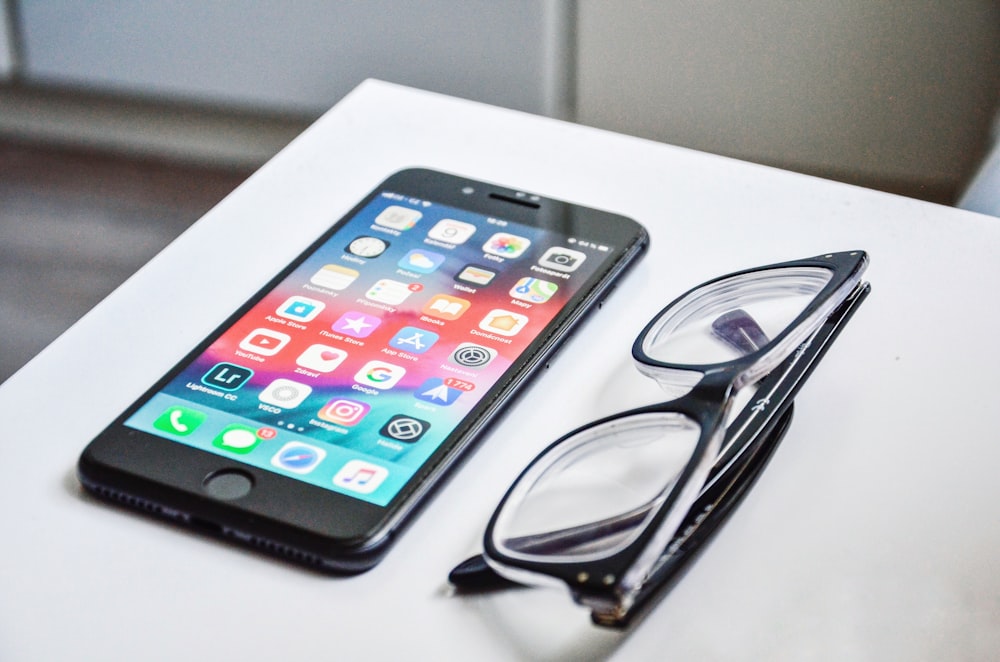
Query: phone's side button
point(228, 484)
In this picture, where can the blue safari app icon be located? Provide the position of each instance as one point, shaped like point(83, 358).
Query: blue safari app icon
point(298, 457)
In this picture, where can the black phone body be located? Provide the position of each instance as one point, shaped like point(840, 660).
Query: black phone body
point(316, 419)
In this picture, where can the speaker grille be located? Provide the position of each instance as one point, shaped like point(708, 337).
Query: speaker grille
point(517, 201)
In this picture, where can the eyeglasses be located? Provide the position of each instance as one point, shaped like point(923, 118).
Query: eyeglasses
point(616, 509)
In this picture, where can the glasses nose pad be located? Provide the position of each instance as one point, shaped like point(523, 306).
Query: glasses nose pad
point(740, 330)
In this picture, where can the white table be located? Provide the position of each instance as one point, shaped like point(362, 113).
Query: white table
point(873, 534)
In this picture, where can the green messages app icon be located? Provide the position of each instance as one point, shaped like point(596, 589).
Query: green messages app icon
point(237, 438)
point(180, 420)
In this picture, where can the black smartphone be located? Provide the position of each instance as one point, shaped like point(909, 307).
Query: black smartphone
point(313, 422)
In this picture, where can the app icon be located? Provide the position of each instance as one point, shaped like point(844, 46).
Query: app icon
point(562, 259)
point(379, 374)
point(180, 420)
point(398, 218)
point(421, 261)
point(237, 438)
point(334, 277)
point(404, 428)
point(302, 309)
point(321, 358)
point(227, 376)
point(343, 411)
point(503, 322)
point(367, 247)
point(359, 476)
point(355, 324)
point(413, 340)
point(471, 355)
point(451, 231)
point(476, 275)
point(440, 391)
point(534, 290)
point(388, 291)
point(446, 307)
point(285, 393)
point(506, 245)
point(265, 342)
point(298, 457)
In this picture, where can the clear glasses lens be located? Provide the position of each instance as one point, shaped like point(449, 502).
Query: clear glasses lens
point(731, 318)
point(591, 495)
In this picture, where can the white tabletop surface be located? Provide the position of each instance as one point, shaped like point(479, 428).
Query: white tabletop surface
point(873, 534)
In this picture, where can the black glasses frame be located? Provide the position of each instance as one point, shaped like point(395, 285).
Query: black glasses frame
point(734, 464)
point(747, 451)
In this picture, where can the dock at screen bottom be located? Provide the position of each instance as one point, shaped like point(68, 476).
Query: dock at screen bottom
point(326, 465)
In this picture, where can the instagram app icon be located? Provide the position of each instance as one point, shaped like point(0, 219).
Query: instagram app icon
point(343, 411)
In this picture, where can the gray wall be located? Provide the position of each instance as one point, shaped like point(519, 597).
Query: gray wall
point(893, 91)
point(886, 94)
point(296, 57)
point(6, 43)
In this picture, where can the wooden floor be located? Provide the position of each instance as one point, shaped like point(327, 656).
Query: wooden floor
point(74, 225)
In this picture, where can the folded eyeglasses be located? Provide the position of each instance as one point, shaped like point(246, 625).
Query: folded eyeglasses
point(614, 510)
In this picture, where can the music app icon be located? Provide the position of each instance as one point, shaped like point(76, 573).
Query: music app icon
point(361, 477)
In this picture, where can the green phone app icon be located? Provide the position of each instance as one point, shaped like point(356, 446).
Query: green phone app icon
point(180, 420)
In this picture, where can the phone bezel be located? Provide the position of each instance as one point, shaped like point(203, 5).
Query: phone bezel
point(342, 532)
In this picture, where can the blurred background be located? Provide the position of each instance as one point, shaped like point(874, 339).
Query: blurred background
point(122, 121)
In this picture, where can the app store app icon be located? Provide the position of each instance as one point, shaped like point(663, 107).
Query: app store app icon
point(413, 340)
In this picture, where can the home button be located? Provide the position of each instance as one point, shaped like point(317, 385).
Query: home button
point(228, 484)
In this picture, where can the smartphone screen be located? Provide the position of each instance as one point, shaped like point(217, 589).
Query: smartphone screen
point(352, 371)
point(385, 346)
